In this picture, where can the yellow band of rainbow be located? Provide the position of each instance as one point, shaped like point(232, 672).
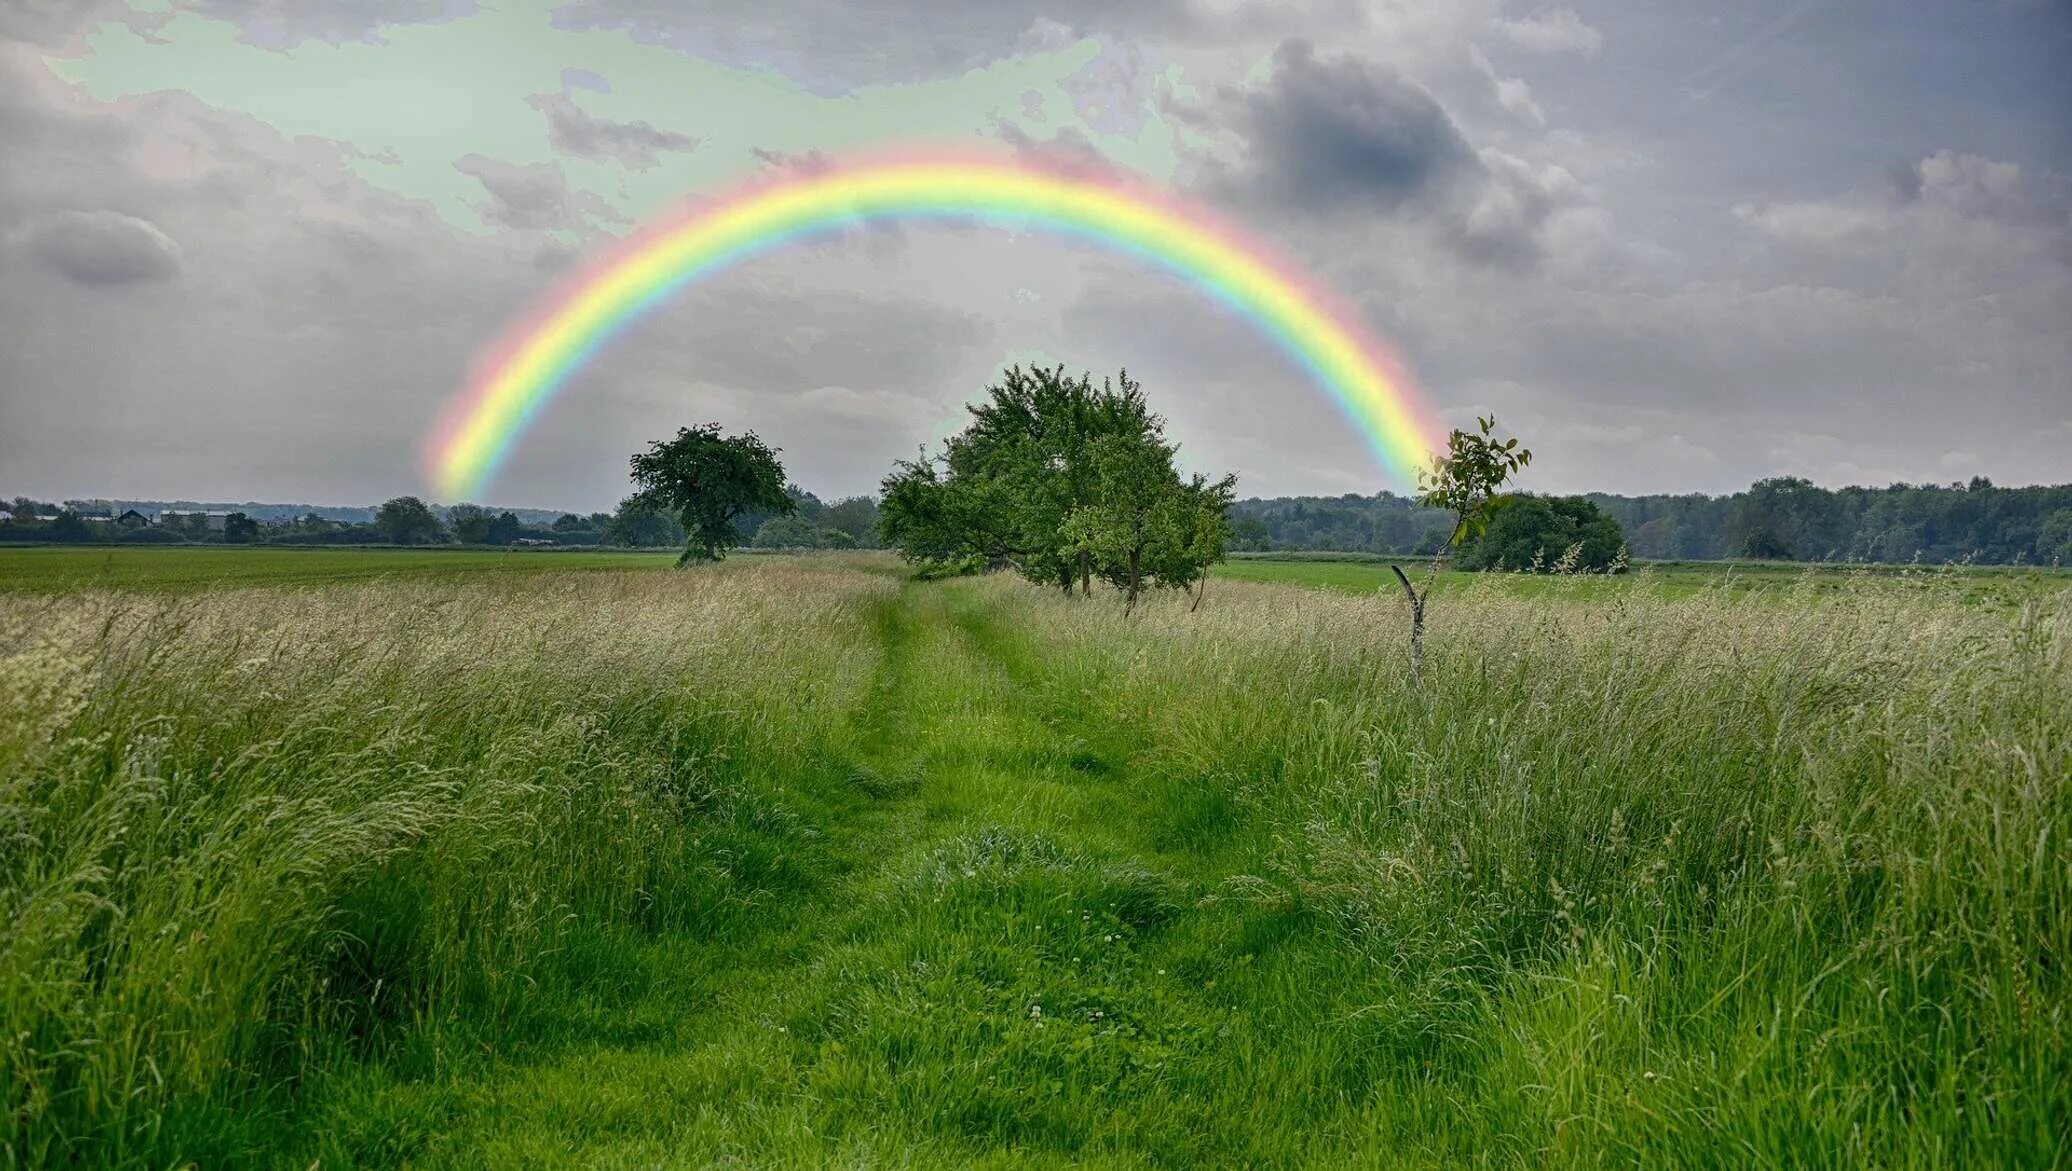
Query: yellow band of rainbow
point(516, 378)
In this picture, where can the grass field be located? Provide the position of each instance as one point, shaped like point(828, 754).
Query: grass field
point(1366, 574)
point(58, 568)
point(796, 862)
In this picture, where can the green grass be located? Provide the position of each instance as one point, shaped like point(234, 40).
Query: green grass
point(793, 862)
point(61, 568)
point(1368, 573)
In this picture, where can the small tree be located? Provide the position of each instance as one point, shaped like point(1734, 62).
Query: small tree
point(240, 529)
point(709, 480)
point(1468, 482)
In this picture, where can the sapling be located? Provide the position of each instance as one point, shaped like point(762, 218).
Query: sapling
point(1468, 482)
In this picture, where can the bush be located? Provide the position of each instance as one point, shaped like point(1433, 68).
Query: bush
point(1536, 533)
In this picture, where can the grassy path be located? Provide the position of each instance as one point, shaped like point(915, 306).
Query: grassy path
point(990, 947)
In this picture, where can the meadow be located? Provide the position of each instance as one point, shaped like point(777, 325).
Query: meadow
point(66, 568)
point(795, 861)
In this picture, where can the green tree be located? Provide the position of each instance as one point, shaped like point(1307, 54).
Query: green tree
point(504, 528)
point(470, 523)
point(1142, 524)
point(786, 532)
point(240, 529)
point(1539, 532)
point(1467, 481)
point(641, 526)
point(69, 527)
point(856, 516)
point(1059, 478)
point(406, 520)
point(708, 480)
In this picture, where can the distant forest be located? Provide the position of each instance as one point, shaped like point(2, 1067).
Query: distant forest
point(1779, 519)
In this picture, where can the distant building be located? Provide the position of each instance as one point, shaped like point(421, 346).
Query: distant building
point(132, 519)
point(211, 519)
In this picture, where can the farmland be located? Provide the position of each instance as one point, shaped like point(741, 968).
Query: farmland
point(362, 860)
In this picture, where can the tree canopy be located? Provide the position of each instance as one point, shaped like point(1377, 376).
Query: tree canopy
point(1064, 481)
point(1538, 533)
point(407, 520)
point(709, 480)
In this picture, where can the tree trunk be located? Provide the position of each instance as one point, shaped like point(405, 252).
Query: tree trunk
point(1130, 603)
point(1417, 611)
point(1201, 591)
point(1086, 576)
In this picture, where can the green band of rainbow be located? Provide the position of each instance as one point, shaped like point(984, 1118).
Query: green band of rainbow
point(519, 376)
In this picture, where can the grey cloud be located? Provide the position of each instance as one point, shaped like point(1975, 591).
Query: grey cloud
point(835, 47)
point(277, 24)
point(301, 361)
point(1555, 30)
point(573, 78)
point(573, 130)
point(54, 22)
point(284, 23)
point(1503, 222)
point(101, 247)
point(1069, 150)
point(532, 195)
point(1348, 141)
point(1339, 133)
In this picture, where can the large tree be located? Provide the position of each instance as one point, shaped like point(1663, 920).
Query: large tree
point(709, 480)
point(1063, 480)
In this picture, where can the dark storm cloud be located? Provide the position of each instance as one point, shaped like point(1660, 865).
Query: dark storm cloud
point(1345, 139)
point(533, 195)
point(573, 130)
point(1343, 134)
point(101, 248)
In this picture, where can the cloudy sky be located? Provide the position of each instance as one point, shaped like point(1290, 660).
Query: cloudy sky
point(248, 248)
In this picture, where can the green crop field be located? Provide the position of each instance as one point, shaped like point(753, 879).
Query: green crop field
point(339, 859)
point(49, 568)
point(1366, 574)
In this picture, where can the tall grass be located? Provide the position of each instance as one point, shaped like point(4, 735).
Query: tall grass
point(1640, 875)
point(1731, 877)
point(248, 834)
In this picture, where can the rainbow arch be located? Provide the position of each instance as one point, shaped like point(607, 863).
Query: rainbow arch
point(535, 359)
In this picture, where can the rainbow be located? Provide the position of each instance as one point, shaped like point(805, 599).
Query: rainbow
point(518, 376)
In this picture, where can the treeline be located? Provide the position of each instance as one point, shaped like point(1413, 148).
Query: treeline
point(406, 520)
point(1785, 518)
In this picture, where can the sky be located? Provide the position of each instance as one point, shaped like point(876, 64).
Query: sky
point(249, 249)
